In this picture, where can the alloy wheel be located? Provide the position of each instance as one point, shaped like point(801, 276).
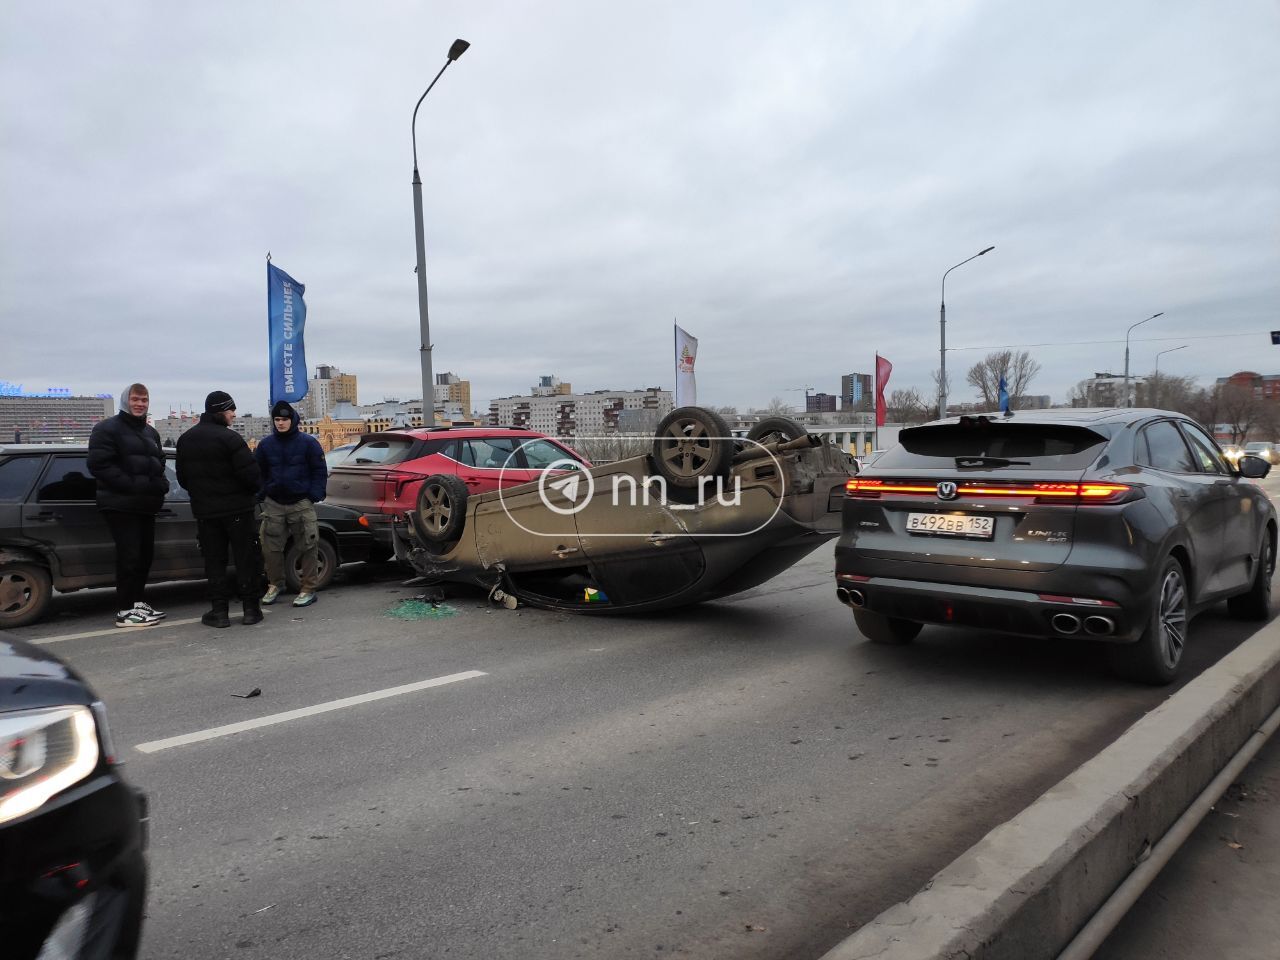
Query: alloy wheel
point(1173, 617)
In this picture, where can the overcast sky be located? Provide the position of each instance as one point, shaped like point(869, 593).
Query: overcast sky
point(789, 181)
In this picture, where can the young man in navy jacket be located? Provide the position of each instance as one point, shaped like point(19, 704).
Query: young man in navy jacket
point(294, 475)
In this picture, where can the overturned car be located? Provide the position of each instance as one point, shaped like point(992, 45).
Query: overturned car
point(702, 515)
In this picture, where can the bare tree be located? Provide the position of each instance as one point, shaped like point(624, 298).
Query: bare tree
point(725, 411)
point(1241, 409)
point(777, 408)
point(1017, 369)
point(1167, 392)
point(907, 406)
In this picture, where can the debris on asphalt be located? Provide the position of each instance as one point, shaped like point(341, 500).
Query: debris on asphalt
point(419, 608)
point(255, 692)
point(265, 909)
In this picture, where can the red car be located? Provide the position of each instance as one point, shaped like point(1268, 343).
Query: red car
point(382, 476)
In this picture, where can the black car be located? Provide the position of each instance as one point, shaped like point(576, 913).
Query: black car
point(73, 832)
point(53, 535)
point(1112, 525)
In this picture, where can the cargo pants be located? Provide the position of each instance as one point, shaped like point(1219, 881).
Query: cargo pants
point(282, 522)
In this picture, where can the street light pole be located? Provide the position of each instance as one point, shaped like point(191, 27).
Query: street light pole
point(1128, 401)
point(1156, 397)
point(456, 49)
point(942, 329)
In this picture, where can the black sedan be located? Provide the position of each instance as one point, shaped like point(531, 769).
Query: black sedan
point(72, 831)
point(1111, 525)
point(53, 535)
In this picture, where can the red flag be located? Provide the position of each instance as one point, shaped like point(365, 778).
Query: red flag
point(883, 369)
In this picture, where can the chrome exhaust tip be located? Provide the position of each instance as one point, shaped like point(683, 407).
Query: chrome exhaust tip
point(857, 598)
point(842, 594)
point(1067, 623)
point(1099, 626)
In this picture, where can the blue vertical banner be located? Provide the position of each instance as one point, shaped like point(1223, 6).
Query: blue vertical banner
point(1004, 396)
point(286, 319)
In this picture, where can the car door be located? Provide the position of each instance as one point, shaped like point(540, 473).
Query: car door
point(1197, 499)
point(1242, 524)
point(17, 474)
point(177, 554)
point(491, 463)
point(63, 515)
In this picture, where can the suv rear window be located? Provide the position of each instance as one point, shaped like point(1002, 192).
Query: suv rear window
point(1033, 446)
point(381, 450)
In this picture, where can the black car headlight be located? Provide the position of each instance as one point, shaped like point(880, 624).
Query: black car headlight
point(42, 752)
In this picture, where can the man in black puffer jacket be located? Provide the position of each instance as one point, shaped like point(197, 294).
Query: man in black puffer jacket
point(217, 469)
point(294, 476)
point(127, 460)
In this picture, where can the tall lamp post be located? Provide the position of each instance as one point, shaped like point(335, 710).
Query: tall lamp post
point(456, 49)
point(1155, 399)
point(1128, 401)
point(942, 326)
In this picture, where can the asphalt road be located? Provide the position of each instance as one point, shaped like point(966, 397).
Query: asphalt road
point(748, 778)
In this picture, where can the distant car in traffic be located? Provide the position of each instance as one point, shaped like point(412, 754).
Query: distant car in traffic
point(53, 535)
point(1265, 449)
point(1111, 525)
point(383, 475)
point(73, 832)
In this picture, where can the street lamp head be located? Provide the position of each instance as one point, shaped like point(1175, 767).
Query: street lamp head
point(1154, 315)
point(988, 250)
point(457, 49)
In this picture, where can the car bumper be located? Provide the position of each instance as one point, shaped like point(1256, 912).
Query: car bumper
point(1029, 611)
point(73, 874)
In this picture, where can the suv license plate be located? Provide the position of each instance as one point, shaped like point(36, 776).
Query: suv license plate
point(950, 525)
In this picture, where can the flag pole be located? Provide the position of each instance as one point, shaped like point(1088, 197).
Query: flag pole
point(875, 404)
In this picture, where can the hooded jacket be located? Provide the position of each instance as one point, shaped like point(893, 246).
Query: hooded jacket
point(292, 463)
point(217, 469)
point(127, 460)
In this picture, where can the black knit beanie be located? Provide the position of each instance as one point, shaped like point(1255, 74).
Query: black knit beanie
point(282, 409)
point(218, 401)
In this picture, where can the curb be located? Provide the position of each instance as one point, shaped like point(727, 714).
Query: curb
point(1027, 887)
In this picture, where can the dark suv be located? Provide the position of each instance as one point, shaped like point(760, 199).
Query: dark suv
point(53, 535)
point(1113, 525)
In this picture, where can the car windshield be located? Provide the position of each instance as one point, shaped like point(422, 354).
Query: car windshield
point(999, 444)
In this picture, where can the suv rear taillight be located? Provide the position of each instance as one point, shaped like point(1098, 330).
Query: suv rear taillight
point(1083, 492)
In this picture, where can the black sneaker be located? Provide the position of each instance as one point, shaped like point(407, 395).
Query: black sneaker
point(147, 609)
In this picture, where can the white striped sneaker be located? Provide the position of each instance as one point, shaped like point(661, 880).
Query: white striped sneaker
point(136, 617)
point(147, 609)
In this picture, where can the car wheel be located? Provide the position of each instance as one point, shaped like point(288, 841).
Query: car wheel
point(326, 565)
point(25, 591)
point(1256, 604)
point(1155, 657)
point(776, 429)
point(691, 443)
point(878, 628)
point(442, 508)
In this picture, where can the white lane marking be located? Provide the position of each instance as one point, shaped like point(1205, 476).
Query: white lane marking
point(152, 746)
point(113, 631)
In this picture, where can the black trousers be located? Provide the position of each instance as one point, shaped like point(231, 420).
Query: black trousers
point(135, 538)
point(233, 538)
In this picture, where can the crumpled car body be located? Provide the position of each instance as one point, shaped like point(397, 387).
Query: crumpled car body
point(616, 537)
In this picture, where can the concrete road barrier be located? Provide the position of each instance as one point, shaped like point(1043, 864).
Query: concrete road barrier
point(1024, 890)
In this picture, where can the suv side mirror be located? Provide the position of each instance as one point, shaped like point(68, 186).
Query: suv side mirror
point(1255, 468)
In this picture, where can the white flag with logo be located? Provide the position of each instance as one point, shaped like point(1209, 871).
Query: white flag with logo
point(686, 354)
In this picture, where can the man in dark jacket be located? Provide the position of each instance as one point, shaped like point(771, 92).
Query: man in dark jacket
point(127, 460)
point(217, 469)
point(294, 475)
